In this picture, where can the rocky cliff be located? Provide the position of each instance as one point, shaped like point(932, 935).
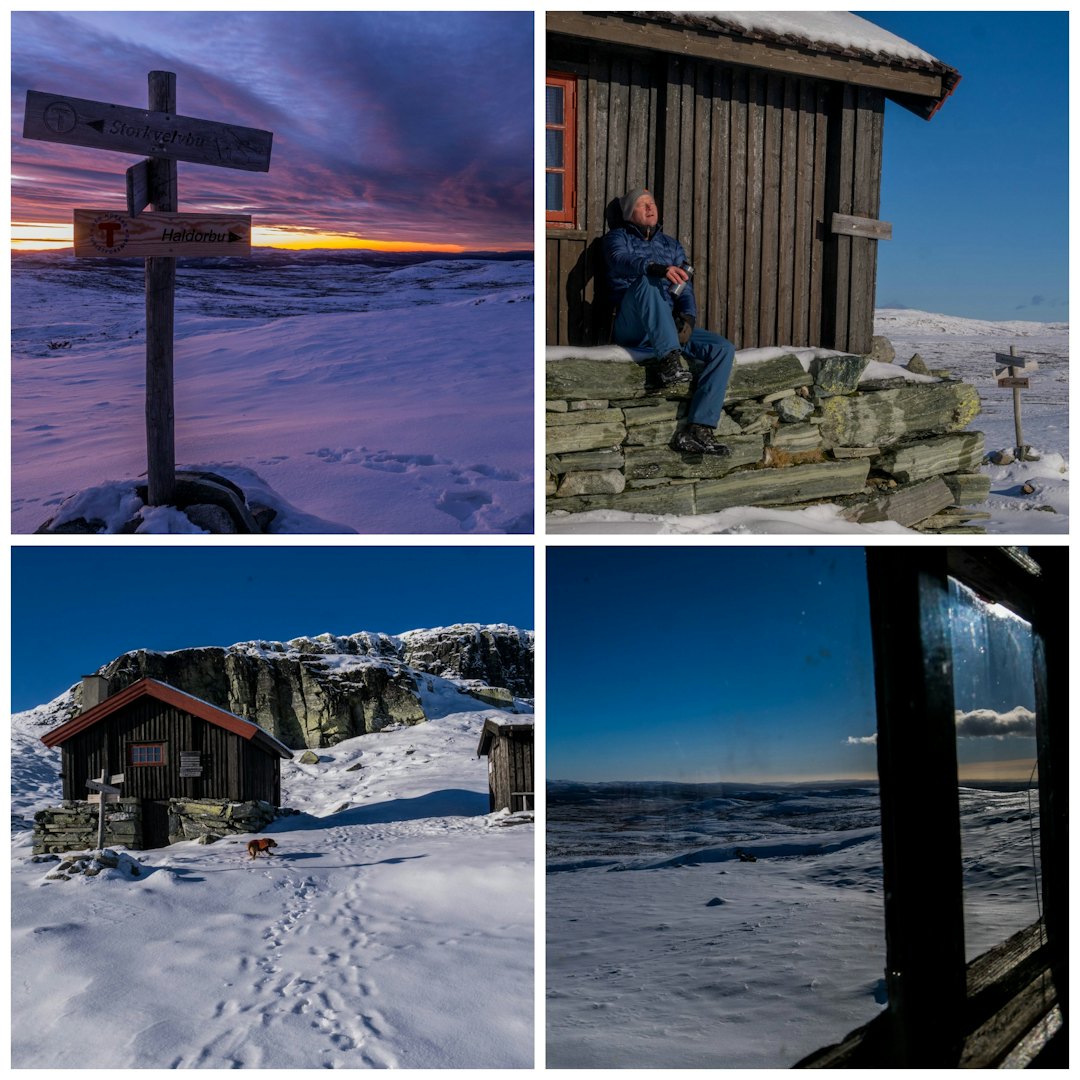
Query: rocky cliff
point(317, 691)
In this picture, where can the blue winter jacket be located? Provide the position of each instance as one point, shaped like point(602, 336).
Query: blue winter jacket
point(629, 256)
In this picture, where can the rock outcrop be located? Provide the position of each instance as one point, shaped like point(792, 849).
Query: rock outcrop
point(314, 692)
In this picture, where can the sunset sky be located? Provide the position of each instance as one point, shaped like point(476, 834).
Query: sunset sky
point(390, 129)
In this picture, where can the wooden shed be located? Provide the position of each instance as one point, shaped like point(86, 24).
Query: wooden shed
point(168, 744)
point(760, 134)
point(508, 746)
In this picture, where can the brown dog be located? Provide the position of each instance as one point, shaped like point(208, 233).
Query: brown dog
point(262, 844)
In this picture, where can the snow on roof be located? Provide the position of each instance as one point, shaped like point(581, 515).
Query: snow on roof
point(827, 31)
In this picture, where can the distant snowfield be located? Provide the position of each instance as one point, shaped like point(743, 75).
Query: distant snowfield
point(966, 347)
point(394, 928)
point(664, 950)
point(350, 397)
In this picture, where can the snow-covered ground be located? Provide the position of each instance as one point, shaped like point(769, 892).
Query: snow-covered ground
point(965, 347)
point(664, 950)
point(393, 928)
point(352, 394)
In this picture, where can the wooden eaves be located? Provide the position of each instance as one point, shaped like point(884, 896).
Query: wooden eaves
point(921, 89)
point(169, 695)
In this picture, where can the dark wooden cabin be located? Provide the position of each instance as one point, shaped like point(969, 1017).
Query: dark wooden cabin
point(168, 744)
point(508, 747)
point(761, 139)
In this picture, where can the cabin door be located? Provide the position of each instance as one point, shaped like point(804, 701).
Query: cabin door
point(155, 823)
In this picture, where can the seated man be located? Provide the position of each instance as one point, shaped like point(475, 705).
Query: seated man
point(644, 266)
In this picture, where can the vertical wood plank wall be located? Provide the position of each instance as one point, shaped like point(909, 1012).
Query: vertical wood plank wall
point(748, 167)
point(233, 768)
point(510, 772)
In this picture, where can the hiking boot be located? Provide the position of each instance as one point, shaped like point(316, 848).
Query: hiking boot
point(698, 439)
point(670, 371)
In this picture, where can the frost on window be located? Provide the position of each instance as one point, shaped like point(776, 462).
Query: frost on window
point(994, 697)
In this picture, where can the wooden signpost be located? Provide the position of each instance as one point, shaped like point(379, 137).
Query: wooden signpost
point(158, 237)
point(104, 792)
point(1012, 372)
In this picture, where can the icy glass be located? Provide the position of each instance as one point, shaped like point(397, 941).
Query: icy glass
point(554, 105)
point(554, 156)
point(994, 696)
point(554, 191)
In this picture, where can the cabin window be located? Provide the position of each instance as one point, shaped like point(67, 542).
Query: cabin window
point(560, 137)
point(146, 754)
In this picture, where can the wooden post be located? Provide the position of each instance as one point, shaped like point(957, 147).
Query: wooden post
point(101, 811)
point(1016, 410)
point(160, 295)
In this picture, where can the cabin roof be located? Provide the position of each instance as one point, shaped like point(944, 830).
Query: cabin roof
point(160, 691)
point(824, 44)
point(494, 726)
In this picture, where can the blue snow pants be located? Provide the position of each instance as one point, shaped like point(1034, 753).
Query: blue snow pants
point(645, 321)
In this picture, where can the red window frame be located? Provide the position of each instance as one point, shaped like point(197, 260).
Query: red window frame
point(567, 216)
point(137, 751)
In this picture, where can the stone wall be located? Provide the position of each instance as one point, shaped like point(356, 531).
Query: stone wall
point(196, 819)
point(884, 442)
point(73, 826)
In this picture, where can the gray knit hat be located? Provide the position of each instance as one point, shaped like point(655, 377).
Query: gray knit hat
point(626, 203)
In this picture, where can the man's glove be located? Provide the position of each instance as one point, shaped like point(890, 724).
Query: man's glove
point(684, 324)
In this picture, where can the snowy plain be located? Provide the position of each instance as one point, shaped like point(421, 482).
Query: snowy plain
point(352, 393)
point(393, 927)
point(965, 347)
point(665, 950)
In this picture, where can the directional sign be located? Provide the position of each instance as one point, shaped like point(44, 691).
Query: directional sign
point(139, 196)
point(118, 778)
point(1017, 384)
point(94, 797)
point(74, 121)
point(1027, 366)
point(105, 789)
point(108, 234)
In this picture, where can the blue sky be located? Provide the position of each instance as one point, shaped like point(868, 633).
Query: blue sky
point(978, 196)
point(75, 608)
point(714, 663)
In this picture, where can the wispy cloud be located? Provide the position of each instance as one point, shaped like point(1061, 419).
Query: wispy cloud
point(862, 740)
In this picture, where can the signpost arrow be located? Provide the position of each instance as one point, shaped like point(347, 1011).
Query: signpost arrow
point(78, 122)
point(103, 793)
point(107, 234)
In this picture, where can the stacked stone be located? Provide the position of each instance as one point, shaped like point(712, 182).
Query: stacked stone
point(73, 826)
point(207, 820)
point(891, 448)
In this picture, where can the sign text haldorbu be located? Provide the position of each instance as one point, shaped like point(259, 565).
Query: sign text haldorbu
point(112, 235)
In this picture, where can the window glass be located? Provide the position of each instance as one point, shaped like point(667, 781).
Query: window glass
point(146, 754)
point(554, 191)
point(554, 156)
point(994, 697)
point(554, 105)
point(714, 879)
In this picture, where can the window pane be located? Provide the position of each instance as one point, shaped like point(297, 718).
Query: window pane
point(994, 692)
point(554, 105)
point(555, 191)
point(714, 878)
point(554, 140)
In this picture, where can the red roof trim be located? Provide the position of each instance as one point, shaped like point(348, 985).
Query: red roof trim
point(170, 696)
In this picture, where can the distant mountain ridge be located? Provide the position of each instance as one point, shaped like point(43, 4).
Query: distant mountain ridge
point(317, 691)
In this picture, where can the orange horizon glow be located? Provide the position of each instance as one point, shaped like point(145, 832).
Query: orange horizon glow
point(42, 236)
